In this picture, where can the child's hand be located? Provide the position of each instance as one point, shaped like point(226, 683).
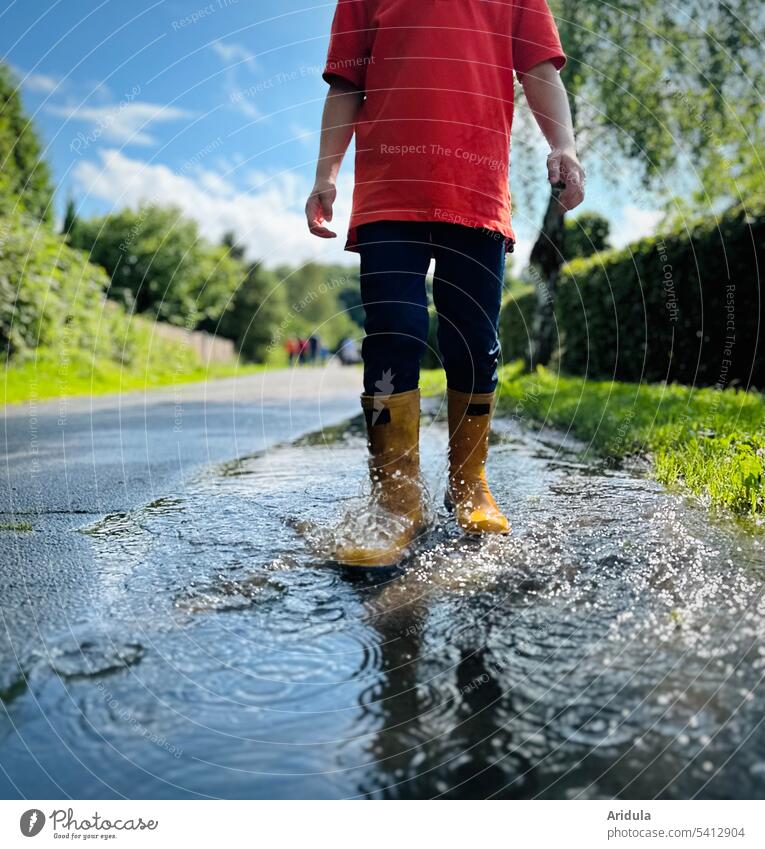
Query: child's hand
point(564, 169)
point(318, 208)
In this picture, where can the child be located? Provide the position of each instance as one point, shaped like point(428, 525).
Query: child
point(427, 87)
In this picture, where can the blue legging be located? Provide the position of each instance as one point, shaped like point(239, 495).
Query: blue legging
point(467, 292)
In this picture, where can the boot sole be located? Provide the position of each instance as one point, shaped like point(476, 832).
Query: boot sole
point(472, 533)
point(372, 562)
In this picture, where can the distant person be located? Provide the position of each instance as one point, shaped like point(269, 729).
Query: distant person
point(291, 347)
point(314, 345)
point(428, 90)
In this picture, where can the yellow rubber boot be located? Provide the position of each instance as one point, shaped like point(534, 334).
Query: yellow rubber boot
point(475, 509)
point(393, 429)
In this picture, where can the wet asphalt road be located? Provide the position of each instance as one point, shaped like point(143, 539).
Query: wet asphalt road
point(69, 463)
point(169, 627)
point(100, 455)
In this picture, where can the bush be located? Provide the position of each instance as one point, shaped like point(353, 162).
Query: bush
point(516, 322)
point(59, 333)
point(685, 308)
point(49, 293)
point(585, 235)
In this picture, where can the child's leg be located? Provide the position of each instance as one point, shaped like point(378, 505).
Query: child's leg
point(394, 261)
point(467, 290)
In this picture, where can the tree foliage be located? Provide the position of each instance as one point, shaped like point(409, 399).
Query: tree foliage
point(320, 301)
point(585, 235)
point(159, 264)
point(70, 219)
point(257, 307)
point(652, 82)
point(49, 294)
point(669, 95)
point(24, 178)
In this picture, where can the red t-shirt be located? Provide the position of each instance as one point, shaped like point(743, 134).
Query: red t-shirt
point(433, 134)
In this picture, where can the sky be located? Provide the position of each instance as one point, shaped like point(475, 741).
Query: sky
point(214, 107)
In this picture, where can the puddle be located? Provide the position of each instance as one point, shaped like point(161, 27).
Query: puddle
point(227, 594)
point(90, 657)
point(613, 646)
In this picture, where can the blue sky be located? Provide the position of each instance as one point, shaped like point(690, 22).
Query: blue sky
point(212, 106)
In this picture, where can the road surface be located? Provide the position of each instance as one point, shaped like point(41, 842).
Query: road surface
point(68, 463)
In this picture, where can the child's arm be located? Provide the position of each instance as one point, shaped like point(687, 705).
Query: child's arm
point(546, 95)
point(340, 110)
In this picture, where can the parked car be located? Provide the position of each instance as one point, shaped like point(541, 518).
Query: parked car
point(349, 352)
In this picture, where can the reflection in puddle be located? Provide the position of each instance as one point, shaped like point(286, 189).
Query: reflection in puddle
point(612, 646)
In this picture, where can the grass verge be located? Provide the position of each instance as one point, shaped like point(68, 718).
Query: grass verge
point(54, 374)
point(710, 441)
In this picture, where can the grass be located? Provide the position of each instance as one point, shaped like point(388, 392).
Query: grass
point(22, 527)
point(54, 375)
point(709, 441)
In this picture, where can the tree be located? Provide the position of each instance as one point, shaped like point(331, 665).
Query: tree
point(70, 219)
point(349, 299)
point(254, 314)
point(661, 87)
point(585, 235)
point(24, 177)
point(158, 263)
point(317, 303)
point(230, 243)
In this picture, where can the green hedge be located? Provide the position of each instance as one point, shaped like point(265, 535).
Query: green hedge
point(515, 324)
point(48, 291)
point(686, 307)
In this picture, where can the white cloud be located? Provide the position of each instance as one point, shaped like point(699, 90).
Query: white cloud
point(308, 138)
point(633, 223)
point(231, 52)
point(268, 219)
point(125, 122)
point(239, 96)
point(40, 83)
point(240, 102)
point(215, 184)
